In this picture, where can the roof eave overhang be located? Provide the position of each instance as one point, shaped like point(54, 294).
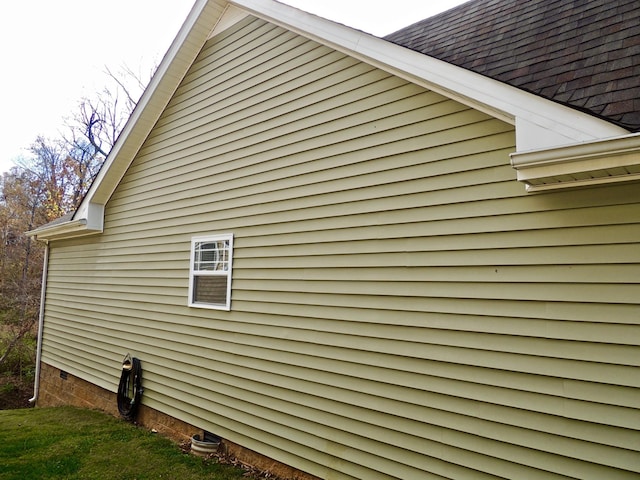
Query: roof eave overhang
point(600, 162)
point(64, 230)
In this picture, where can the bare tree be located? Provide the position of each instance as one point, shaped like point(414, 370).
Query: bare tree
point(83, 161)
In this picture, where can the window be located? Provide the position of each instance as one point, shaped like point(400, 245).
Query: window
point(210, 272)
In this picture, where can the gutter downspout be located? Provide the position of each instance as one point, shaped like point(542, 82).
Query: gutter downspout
point(45, 268)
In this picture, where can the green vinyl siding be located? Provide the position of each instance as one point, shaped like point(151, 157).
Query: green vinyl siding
point(401, 308)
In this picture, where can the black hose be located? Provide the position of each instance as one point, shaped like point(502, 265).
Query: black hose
point(130, 388)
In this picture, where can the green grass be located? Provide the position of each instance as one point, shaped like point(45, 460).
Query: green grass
point(71, 443)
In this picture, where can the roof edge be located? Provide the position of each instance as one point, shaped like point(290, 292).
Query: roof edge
point(584, 164)
point(69, 229)
point(562, 125)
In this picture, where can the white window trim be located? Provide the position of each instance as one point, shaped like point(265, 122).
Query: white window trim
point(210, 238)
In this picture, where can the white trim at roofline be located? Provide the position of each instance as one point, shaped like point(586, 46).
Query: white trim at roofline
point(540, 123)
point(203, 17)
point(531, 114)
point(71, 228)
point(583, 164)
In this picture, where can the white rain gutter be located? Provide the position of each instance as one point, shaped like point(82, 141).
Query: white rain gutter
point(45, 269)
point(597, 162)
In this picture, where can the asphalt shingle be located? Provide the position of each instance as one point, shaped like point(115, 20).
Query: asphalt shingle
point(582, 53)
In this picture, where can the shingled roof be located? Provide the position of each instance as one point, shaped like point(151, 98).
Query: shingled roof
point(581, 53)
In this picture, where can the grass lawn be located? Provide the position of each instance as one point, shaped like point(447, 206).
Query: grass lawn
point(71, 443)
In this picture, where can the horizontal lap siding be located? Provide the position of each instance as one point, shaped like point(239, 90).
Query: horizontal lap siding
point(400, 307)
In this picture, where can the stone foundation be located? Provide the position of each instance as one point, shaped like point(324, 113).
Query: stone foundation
point(58, 388)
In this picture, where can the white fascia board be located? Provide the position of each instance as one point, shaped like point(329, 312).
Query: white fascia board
point(193, 34)
point(599, 162)
point(70, 229)
point(540, 123)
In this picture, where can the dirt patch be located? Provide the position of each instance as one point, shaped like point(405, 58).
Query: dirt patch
point(15, 393)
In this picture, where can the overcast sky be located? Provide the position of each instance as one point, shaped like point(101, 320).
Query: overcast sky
point(54, 52)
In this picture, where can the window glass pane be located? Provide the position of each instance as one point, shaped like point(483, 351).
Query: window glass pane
point(210, 289)
point(212, 256)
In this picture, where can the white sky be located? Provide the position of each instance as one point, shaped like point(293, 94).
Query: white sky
point(54, 52)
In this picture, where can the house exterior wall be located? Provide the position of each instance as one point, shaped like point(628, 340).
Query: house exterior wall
point(401, 308)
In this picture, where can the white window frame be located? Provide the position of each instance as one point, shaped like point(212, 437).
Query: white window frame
point(193, 272)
